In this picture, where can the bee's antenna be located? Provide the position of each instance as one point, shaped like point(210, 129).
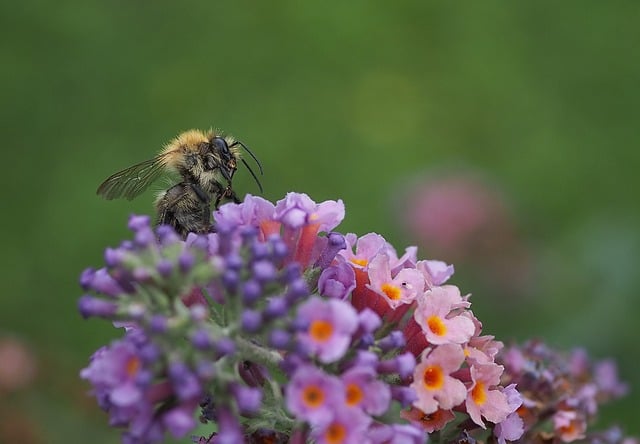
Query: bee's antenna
point(237, 142)
point(252, 173)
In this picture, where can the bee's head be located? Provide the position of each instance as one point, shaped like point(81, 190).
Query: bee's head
point(220, 156)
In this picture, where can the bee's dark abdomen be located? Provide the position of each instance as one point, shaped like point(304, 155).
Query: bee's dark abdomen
point(183, 209)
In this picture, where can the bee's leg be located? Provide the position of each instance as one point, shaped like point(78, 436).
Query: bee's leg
point(230, 194)
point(204, 197)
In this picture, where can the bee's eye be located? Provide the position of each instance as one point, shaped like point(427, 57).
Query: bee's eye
point(220, 144)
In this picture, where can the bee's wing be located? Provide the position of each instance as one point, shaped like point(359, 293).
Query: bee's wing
point(133, 180)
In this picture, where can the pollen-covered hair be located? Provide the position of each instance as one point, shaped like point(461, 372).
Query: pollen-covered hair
point(173, 153)
point(183, 154)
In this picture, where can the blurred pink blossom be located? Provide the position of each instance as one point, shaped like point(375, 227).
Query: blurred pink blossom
point(17, 364)
point(462, 217)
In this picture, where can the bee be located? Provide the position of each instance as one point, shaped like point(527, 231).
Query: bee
point(205, 161)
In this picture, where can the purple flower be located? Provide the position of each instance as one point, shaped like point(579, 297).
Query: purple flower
point(91, 306)
point(184, 382)
point(229, 431)
point(368, 320)
point(253, 211)
point(335, 243)
point(100, 281)
point(338, 280)
point(347, 426)
point(402, 364)
point(137, 223)
point(251, 320)
point(264, 271)
point(313, 396)
point(364, 390)
point(167, 235)
point(297, 210)
point(331, 323)
point(606, 377)
point(396, 434)
point(512, 427)
point(248, 399)
point(113, 371)
point(393, 340)
point(179, 421)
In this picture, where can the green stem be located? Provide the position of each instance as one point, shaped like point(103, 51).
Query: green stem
point(255, 353)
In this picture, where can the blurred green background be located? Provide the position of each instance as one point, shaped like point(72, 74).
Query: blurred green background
point(353, 100)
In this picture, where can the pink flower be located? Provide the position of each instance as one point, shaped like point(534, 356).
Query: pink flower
point(366, 248)
point(435, 272)
point(465, 218)
point(432, 380)
point(569, 426)
point(482, 349)
point(485, 400)
point(302, 220)
point(454, 214)
point(437, 315)
point(403, 288)
point(17, 364)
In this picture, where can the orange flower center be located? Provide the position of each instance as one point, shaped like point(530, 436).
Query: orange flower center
point(433, 377)
point(321, 330)
point(568, 429)
point(354, 394)
point(312, 396)
point(436, 325)
point(478, 393)
point(361, 262)
point(391, 291)
point(335, 434)
point(132, 366)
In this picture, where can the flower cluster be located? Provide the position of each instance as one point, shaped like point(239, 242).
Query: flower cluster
point(456, 369)
point(277, 329)
point(561, 393)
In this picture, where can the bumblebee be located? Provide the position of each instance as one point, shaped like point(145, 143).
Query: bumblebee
point(205, 161)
